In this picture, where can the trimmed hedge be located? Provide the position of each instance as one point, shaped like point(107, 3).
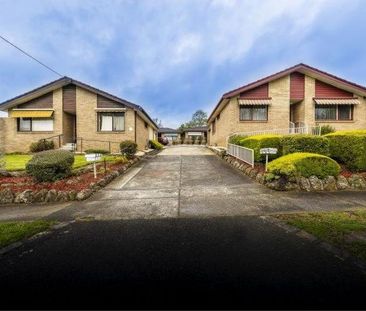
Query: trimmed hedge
point(235, 139)
point(326, 129)
point(349, 147)
point(304, 164)
point(41, 145)
point(305, 143)
point(128, 148)
point(155, 144)
point(101, 151)
point(50, 165)
point(262, 141)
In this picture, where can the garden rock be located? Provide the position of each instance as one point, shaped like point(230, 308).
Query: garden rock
point(72, 195)
point(4, 173)
point(342, 182)
point(6, 196)
point(330, 183)
point(357, 182)
point(51, 196)
point(316, 183)
point(62, 196)
point(24, 197)
point(304, 184)
point(84, 194)
point(260, 178)
point(40, 196)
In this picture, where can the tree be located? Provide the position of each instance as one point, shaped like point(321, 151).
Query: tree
point(158, 122)
point(199, 118)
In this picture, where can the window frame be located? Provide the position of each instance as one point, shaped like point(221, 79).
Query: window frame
point(31, 125)
point(337, 119)
point(113, 114)
point(251, 113)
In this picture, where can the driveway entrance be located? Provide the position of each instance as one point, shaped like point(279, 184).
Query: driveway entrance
point(190, 181)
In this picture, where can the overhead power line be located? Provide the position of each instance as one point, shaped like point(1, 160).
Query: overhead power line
point(27, 54)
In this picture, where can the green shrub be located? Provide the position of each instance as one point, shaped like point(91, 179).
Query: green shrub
point(101, 151)
point(155, 144)
point(235, 139)
point(50, 165)
point(262, 141)
point(42, 145)
point(326, 129)
point(305, 143)
point(128, 148)
point(349, 147)
point(304, 164)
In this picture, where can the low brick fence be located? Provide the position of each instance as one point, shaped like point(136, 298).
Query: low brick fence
point(313, 183)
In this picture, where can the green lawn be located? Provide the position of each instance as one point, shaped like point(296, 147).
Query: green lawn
point(337, 228)
point(11, 232)
point(17, 162)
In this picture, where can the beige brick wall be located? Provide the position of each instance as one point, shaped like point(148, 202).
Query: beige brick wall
point(86, 124)
point(2, 134)
point(19, 142)
point(308, 102)
point(142, 138)
point(278, 114)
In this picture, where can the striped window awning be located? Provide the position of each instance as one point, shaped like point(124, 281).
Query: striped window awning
point(27, 113)
point(336, 101)
point(254, 102)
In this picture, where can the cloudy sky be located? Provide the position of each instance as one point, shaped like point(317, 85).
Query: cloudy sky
point(176, 56)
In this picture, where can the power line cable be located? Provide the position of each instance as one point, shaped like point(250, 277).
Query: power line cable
point(27, 54)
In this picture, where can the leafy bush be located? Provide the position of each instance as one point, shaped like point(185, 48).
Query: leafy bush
point(326, 129)
point(128, 148)
point(101, 151)
point(235, 139)
point(305, 143)
point(262, 141)
point(155, 144)
point(349, 147)
point(50, 165)
point(42, 145)
point(304, 164)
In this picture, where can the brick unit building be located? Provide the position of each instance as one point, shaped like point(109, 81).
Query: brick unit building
point(70, 111)
point(295, 97)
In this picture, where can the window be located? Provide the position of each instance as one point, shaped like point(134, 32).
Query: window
point(254, 113)
point(334, 112)
point(146, 125)
point(111, 121)
point(35, 125)
point(218, 117)
point(213, 127)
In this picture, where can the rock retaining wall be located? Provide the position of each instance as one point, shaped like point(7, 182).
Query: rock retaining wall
point(313, 183)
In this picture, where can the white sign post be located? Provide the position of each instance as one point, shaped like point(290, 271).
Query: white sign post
point(93, 157)
point(268, 151)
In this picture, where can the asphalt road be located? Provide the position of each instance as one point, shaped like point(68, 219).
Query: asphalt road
point(225, 262)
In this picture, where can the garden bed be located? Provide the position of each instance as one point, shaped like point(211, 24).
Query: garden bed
point(79, 186)
point(345, 181)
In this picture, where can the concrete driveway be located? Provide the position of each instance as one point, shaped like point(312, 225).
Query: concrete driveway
point(190, 181)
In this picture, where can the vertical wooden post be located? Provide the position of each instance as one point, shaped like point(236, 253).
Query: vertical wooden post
point(105, 166)
point(81, 144)
point(59, 141)
point(109, 146)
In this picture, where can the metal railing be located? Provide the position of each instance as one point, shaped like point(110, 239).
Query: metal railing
point(244, 154)
point(57, 137)
point(80, 144)
point(313, 130)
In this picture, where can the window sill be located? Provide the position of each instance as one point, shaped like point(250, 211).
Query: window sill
point(335, 121)
point(253, 121)
point(35, 132)
point(110, 132)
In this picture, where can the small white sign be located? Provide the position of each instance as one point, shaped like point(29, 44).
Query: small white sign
point(92, 157)
point(268, 151)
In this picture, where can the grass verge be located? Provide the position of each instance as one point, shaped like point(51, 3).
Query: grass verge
point(11, 232)
point(345, 229)
point(17, 162)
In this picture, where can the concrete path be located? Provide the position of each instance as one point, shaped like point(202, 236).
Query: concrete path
point(190, 181)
